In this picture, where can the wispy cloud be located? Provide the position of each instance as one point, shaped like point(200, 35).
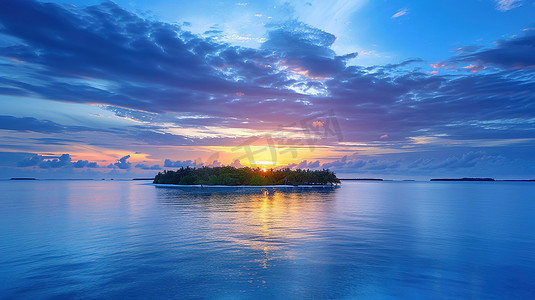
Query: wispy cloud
point(400, 13)
point(475, 68)
point(366, 52)
point(505, 5)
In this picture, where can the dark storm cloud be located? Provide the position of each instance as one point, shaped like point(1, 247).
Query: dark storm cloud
point(146, 67)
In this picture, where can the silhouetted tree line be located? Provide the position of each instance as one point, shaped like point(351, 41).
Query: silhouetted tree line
point(245, 176)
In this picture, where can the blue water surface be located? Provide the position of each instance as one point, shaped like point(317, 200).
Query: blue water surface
point(369, 240)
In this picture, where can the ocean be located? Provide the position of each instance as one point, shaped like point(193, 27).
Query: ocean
point(363, 240)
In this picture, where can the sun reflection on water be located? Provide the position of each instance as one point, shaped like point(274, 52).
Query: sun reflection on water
point(270, 224)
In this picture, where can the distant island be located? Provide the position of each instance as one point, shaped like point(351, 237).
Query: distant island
point(517, 180)
point(463, 179)
point(231, 176)
point(363, 179)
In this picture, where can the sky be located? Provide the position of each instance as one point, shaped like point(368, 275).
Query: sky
point(389, 89)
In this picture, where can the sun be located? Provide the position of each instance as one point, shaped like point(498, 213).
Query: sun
point(263, 169)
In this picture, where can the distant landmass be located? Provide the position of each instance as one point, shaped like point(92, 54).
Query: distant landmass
point(245, 176)
point(363, 179)
point(518, 180)
point(23, 178)
point(463, 179)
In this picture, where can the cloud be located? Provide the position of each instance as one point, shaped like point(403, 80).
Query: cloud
point(123, 163)
point(505, 5)
point(314, 165)
point(214, 164)
point(437, 65)
point(376, 165)
point(466, 160)
point(92, 165)
point(85, 164)
point(31, 161)
point(181, 164)
point(515, 53)
point(475, 68)
point(148, 167)
point(400, 13)
point(408, 163)
point(346, 162)
point(63, 161)
point(366, 52)
point(35, 125)
point(80, 163)
point(236, 164)
point(305, 50)
point(82, 46)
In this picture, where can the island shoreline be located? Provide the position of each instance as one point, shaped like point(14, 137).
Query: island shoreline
point(239, 186)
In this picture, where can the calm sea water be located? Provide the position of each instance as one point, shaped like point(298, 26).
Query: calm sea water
point(380, 240)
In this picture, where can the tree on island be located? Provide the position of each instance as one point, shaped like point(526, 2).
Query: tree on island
point(245, 176)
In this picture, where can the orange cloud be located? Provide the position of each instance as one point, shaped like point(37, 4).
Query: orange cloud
point(437, 65)
point(475, 68)
point(317, 123)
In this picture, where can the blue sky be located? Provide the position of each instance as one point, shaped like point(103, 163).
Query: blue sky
point(396, 89)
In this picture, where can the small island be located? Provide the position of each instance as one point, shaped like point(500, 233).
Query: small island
point(232, 176)
point(463, 179)
point(363, 179)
